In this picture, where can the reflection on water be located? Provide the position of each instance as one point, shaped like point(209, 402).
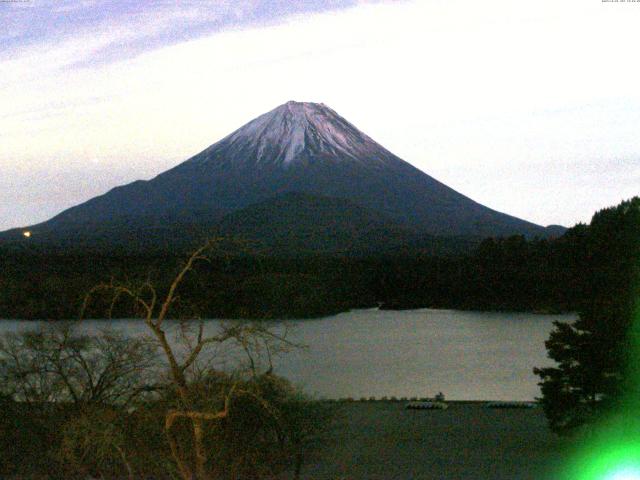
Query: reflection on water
point(363, 353)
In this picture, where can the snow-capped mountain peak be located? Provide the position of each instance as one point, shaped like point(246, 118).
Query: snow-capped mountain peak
point(298, 132)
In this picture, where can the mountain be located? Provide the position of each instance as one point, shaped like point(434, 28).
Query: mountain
point(295, 223)
point(303, 148)
point(301, 222)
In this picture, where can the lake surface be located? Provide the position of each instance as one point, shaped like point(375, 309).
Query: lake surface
point(411, 353)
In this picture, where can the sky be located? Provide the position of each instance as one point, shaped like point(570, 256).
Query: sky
point(529, 107)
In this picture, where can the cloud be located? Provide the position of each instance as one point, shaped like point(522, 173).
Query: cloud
point(508, 102)
point(124, 29)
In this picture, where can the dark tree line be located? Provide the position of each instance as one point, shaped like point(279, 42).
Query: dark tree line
point(499, 274)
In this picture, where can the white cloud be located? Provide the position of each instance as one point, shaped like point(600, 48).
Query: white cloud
point(508, 102)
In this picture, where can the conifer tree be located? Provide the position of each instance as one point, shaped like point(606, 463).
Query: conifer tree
point(597, 354)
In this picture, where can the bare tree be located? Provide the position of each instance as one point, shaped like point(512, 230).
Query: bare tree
point(59, 364)
point(154, 309)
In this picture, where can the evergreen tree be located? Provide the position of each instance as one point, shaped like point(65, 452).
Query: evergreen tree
point(595, 368)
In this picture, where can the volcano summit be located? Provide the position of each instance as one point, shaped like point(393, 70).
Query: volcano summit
point(297, 148)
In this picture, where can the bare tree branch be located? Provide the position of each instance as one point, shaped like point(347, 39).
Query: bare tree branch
point(195, 256)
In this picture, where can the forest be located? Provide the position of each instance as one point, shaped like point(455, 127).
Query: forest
point(506, 274)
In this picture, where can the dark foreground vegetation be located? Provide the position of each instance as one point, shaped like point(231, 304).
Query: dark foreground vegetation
point(104, 406)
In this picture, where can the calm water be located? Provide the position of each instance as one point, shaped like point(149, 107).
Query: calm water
point(362, 353)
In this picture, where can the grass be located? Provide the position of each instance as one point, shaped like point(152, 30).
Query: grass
point(383, 440)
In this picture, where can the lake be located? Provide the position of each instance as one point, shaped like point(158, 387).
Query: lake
point(411, 353)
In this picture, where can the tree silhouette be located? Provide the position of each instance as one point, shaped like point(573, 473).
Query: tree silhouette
point(597, 354)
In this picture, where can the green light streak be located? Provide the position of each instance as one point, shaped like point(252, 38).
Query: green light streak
point(631, 473)
point(606, 461)
point(611, 449)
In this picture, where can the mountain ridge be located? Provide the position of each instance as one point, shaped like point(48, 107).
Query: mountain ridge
point(297, 147)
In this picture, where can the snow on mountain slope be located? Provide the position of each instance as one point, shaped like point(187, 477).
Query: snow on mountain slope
point(292, 131)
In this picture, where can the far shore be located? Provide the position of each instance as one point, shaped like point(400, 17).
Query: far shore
point(316, 316)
